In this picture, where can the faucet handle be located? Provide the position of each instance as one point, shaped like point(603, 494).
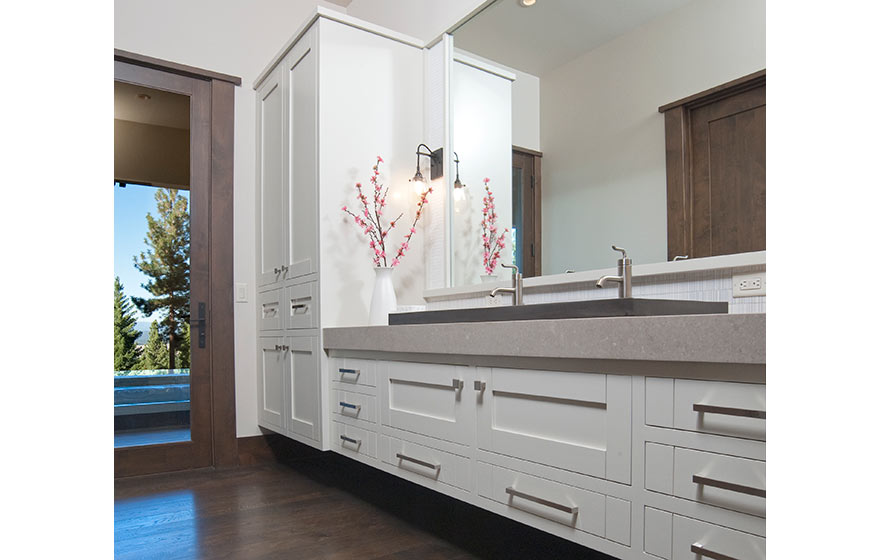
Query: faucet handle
point(621, 249)
point(513, 266)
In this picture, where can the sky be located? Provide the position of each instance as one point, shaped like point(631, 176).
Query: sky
point(130, 207)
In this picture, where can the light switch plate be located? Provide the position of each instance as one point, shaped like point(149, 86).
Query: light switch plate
point(240, 292)
point(749, 285)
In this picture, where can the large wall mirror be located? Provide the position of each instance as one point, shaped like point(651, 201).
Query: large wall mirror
point(567, 92)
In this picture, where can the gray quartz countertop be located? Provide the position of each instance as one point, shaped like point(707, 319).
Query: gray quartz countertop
point(721, 338)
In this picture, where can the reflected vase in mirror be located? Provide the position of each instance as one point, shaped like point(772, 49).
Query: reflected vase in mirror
point(489, 278)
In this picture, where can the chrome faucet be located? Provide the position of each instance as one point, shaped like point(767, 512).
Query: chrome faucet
point(516, 290)
point(624, 275)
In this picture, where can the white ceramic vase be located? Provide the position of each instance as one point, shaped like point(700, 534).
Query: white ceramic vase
point(489, 278)
point(384, 301)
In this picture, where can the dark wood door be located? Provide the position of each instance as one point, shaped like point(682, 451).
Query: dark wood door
point(198, 451)
point(716, 170)
point(526, 198)
point(729, 174)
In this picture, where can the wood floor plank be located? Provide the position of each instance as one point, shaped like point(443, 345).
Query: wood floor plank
point(322, 507)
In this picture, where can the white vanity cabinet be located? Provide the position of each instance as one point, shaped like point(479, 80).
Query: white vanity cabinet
point(613, 461)
point(322, 111)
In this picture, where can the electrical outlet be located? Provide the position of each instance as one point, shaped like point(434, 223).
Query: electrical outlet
point(749, 285)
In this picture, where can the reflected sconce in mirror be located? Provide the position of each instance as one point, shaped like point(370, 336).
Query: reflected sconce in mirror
point(436, 163)
point(458, 184)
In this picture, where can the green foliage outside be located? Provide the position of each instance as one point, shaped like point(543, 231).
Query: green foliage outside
point(155, 353)
point(126, 354)
point(166, 263)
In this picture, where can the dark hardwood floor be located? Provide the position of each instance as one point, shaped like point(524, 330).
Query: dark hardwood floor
point(321, 506)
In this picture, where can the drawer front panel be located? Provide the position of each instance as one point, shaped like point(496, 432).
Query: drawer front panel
point(356, 406)
point(696, 539)
point(353, 441)
point(724, 481)
point(434, 467)
point(541, 498)
point(354, 371)
point(580, 422)
point(301, 303)
point(269, 309)
point(429, 399)
point(721, 480)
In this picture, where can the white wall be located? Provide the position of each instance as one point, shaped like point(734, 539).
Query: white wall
point(423, 19)
point(604, 168)
point(481, 130)
point(370, 104)
point(237, 38)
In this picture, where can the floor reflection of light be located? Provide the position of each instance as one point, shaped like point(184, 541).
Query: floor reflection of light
point(157, 526)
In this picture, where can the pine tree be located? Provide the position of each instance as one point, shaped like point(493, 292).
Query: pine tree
point(183, 349)
point(155, 354)
point(166, 262)
point(125, 351)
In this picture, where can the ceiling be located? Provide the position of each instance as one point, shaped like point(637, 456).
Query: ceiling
point(161, 109)
point(550, 33)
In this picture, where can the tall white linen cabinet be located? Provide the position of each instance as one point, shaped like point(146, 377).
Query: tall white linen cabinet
point(337, 95)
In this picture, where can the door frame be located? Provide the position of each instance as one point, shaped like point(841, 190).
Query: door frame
point(213, 440)
point(531, 205)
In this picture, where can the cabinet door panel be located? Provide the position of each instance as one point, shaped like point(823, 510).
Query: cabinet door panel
point(428, 399)
point(304, 386)
point(301, 88)
point(270, 207)
point(270, 384)
point(574, 421)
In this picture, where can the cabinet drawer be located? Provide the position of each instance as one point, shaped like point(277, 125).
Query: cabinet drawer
point(429, 399)
point(555, 502)
point(434, 467)
point(301, 303)
point(711, 407)
point(697, 539)
point(575, 421)
point(269, 309)
point(353, 405)
point(724, 481)
point(354, 371)
point(353, 441)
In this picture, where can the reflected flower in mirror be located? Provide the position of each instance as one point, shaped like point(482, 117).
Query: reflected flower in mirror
point(492, 241)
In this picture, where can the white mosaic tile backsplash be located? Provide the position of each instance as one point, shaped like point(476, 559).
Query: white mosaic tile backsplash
point(703, 285)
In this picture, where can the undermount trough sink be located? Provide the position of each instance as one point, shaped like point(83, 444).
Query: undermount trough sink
point(618, 307)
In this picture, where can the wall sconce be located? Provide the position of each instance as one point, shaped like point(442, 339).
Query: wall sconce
point(436, 163)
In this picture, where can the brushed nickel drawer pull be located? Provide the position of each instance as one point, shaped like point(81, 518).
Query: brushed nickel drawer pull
point(355, 407)
point(351, 440)
point(355, 372)
point(298, 305)
point(698, 549)
point(457, 384)
point(561, 507)
point(730, 411)
point(403, 457)
point(724, 485)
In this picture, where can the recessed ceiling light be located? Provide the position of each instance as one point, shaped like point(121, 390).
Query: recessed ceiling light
point(527, 3)
point(144, 96)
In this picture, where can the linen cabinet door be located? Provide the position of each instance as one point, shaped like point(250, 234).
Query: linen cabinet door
point(428, 399)
point(270, 170)
point(301, 157)
point(303, 416)
point(580, 422)
point(270, 384)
